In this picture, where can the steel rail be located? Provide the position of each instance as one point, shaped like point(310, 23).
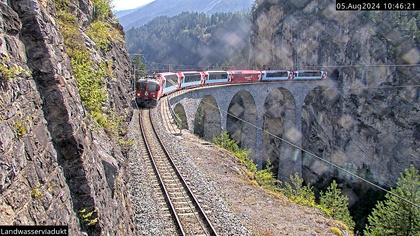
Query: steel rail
point(208, 227)
point(160, 180)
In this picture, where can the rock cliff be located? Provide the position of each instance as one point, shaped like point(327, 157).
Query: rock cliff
point(62, 156)
point(368, 121)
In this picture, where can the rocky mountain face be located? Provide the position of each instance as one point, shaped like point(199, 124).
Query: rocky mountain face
point(138, 17)
point(367, 121)
point(59, 162)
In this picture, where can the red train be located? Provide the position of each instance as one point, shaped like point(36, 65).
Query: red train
point(149, 91)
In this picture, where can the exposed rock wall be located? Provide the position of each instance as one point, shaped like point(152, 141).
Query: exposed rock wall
point(371, 131)
point(56, 164)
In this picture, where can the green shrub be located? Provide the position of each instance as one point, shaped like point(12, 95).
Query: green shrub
point(224, 141)
point(62, 4)
point(265, 177)
point(20, 128)
point(337, 204)
point(336, 231)
point(394, 216)
point(9, 71)
point(126, 143)
point(102, 9)
point(297, 192)
point(103, 33)
point(36, 192)
point(88, 216)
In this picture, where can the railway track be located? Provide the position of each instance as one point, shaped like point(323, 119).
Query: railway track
point(181, 210)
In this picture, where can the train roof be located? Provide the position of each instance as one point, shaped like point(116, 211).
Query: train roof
point(166, 73)
point(147, 80)
point(244, 71)
point(274, 71)
point(309, 71)
point(216, 71)
point(190, 72)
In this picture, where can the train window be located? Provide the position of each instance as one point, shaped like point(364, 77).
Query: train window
point(152, 87)
point(309, 74)
point(188, 78)
point(141, 85)
point(277, 74)
point(171, 80)
point(218, 76)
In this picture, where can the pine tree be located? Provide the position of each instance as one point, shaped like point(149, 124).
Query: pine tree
point(337, 204)
point(394, 216)
point(139, 67)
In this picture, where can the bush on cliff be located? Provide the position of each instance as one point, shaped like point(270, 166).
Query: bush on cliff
point(90, 74)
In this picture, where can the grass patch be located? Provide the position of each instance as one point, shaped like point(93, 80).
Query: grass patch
point(10, 71)
point(20, 128)
point(103, 34)
point(88, 216)
point(336, 231)
point(102, 9)
point(36, 193)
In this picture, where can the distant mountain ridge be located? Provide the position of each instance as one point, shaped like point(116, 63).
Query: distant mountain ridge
point(142, 15)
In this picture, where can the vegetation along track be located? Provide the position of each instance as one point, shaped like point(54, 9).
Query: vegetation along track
point(179, 203)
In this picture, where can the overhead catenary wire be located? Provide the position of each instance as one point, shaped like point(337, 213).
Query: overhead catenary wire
point(197, 67)
point(362, 65)
point(314, 155)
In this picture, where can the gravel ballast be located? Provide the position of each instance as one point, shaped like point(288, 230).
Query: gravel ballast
point(147, 218)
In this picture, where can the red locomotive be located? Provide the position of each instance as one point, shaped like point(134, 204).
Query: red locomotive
point(147, 92)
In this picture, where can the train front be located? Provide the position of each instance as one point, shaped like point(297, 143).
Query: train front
point(147, 91)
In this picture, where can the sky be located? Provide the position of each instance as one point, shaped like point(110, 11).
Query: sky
point(129, 4)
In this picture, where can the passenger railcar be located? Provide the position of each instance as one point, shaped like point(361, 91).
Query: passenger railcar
point(170, 82)
point(147, 92)
point(191, 78)
point(309, 75)
point(274, 75)
point(244, 76)
point(216, 77)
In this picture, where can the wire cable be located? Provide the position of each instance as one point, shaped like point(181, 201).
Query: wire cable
point(191, 66)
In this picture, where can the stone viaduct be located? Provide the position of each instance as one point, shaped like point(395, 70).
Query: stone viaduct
point(244, 110)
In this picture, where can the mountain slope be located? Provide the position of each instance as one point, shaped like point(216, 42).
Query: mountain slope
point(193, 39)
point(146, 13)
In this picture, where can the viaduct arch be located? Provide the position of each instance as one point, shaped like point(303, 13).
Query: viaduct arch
point(246, 111)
